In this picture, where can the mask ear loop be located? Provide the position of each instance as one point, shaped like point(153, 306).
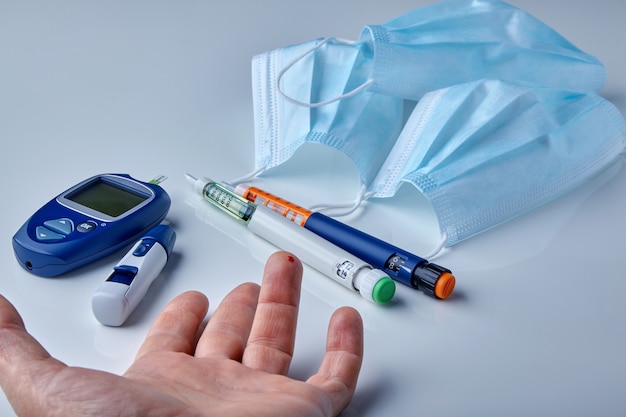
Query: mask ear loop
point(292, 100)
point(246, 177)
point(440, 247)
point(350, 207)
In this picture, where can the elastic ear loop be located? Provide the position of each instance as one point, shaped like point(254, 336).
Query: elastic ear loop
point(292, 100)
point(440, 247)
point(246, 177)
point(350, 207)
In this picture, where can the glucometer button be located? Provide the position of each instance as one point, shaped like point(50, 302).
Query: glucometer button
point(63, 226)
point(45, 234)
point(87, 226)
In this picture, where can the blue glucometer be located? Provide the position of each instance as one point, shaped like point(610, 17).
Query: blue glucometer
point(88, 221)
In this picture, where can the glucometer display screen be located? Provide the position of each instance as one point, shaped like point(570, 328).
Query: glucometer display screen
point(106, 198)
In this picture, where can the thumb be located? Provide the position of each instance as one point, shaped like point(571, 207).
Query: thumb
point(17, 347)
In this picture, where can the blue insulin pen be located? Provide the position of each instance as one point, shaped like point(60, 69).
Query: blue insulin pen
point(336, 263)
point(434, 280)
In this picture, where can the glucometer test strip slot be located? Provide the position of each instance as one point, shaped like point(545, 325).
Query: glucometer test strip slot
point(405, 267)
point(339, 265)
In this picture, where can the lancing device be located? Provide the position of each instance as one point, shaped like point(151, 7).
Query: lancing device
point(339, 265)
point(434, 280)
point(127, 284)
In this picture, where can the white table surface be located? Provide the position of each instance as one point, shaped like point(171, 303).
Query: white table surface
point(536, 323)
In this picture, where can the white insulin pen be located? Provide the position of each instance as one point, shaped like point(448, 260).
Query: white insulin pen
point(344, 268)
point(130, 279)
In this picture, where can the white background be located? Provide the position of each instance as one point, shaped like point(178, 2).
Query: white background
point(536, 323)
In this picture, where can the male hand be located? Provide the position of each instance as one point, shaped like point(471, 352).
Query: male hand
point(236, 366)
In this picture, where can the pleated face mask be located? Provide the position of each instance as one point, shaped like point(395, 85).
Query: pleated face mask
point(321, 91)
point(458, 41)
point(440, 45)
point(483, 152)
point(488, 151)
point(363, 126)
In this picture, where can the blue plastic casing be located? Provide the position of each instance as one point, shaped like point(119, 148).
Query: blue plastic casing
point(163, 234)
point(85, 223)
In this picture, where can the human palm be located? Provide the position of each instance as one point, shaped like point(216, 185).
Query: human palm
point(235, 366)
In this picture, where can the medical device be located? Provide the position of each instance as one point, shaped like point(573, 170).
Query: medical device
point(339, 265)
point(90, 220)
point(116, 298)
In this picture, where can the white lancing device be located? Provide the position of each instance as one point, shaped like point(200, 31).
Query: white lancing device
point(117, 297)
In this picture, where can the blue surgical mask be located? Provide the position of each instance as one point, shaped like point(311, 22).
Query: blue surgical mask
point(487, 151)
point(440, 45)
point(352, 96)
point(458, 41)
point(363, 126)
point(321, 91)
